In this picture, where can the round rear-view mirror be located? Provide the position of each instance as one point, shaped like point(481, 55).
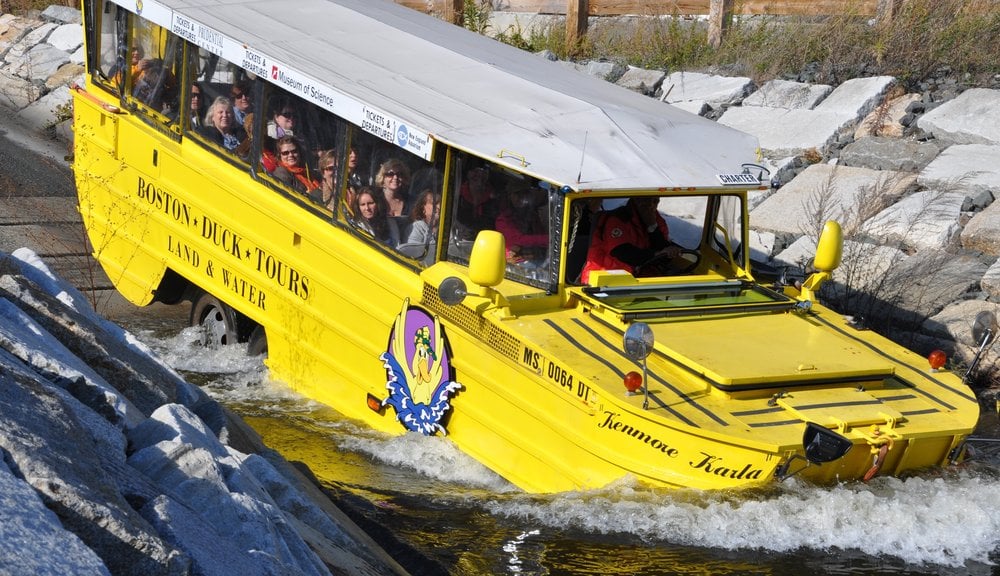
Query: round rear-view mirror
point(452, 290)
point(638, 341)
point(984, 328)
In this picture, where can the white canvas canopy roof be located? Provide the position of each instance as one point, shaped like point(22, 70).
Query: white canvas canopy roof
point(464, 89)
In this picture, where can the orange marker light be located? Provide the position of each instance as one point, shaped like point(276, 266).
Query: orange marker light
point(633, 381)
point(374, 404)
point(937, 358)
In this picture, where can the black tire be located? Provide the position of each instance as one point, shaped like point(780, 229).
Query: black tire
point(219, 323)
point(257, 343)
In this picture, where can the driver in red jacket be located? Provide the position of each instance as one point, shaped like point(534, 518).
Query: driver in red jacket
point(629, 236)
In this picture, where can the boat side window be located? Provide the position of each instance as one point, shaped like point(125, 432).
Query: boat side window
point(487, 196)
point(728, 230)
point(395, 179)
point(152, 70)
point(106, 35)
point(210, 112)
point(297, 140)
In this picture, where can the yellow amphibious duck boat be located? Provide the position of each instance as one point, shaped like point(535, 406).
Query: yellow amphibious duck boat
point(688, 373)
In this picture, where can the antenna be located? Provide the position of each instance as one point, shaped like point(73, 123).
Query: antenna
point(583, 153)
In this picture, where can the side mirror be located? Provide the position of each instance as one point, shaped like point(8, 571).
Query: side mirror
point(452, 291)
point(984, 332)
point(638, 344)
point(638, 341)
point(488, 260)
point(829, 248)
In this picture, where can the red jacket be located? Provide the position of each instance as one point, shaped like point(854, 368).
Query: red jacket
point(622, 227)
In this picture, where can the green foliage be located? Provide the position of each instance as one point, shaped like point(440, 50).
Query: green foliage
point(476, 15)
point(60, 114)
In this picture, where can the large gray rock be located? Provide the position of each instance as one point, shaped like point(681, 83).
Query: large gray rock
point(824, 192)
point(45, 111)
point(788, 94)
point(42, 442)
point(31, 535)
point(971, 118)
point(716, 91)
point(212, 553)
point(62, 14)
point(968, 168)
point(145, 383)
point(38, 63)
point(67, 37)
point(883, 153)
point(16, 93)
point(641, 80)
point(857, 97)
point(982, 233)
point(788, 132)
point(928, 219)
point(43, 354)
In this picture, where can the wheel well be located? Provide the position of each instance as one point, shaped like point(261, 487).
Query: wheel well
point(174, 289)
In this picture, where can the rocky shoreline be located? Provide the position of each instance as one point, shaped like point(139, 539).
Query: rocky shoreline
point(113, 464)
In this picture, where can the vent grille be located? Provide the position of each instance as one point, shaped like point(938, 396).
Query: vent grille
point(476, 325)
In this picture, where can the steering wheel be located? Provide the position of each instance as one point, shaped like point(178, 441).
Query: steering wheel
point(663, 265)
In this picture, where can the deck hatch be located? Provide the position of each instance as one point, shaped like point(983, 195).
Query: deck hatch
point(838, 408)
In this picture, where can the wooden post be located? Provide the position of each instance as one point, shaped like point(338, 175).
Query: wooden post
point(720, 16)
point(576, 24)
point(886, 10)
point(454, 11)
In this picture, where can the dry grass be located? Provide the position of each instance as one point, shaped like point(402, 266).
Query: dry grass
point(22, 6)
point(925, 36)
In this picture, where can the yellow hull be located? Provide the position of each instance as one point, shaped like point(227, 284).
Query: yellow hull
point(538, 393)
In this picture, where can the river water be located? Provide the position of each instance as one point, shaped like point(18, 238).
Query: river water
point(440, 512)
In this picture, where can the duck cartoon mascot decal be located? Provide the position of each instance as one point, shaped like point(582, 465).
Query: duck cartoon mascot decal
point(419, 375)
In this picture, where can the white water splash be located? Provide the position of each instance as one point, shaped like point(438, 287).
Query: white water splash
point(946, 521)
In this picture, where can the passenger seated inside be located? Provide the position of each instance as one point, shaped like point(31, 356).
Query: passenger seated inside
point(478, 206)
point(355, 179)
point(283, 117)
point(394, 177)
point(630, 237)
point(241, 96)
point(421, 237)
point(197, 107)
point(292, 170)
point(524, 224)
point(369, 206)
point(220, 125)
point(155, 86)
point(328, 169)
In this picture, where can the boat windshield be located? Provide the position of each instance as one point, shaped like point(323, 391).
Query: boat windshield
point(608, 233)
point(694, 297)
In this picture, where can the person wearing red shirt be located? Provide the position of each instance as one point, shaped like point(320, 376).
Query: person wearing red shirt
point(629, 236)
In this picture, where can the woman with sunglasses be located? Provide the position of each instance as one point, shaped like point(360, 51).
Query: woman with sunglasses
point(292, 169)
point(283, 117)
point(393, 176)
point(240, 95)
point(328, 172)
